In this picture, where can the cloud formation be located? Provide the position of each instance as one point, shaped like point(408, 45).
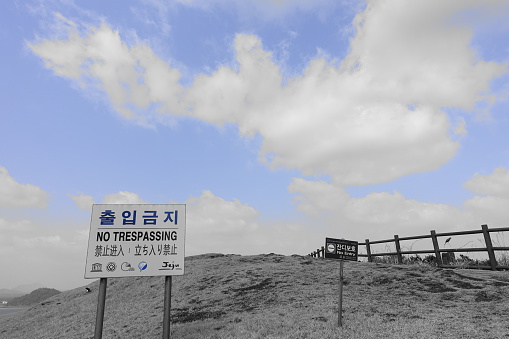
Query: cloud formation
point(41, 249)
point(495, 184)
point(375, 117)
point(379, 215)
point(217, 225)
point(123, 197)
point(83, 201)
point(16, 195)
point(493, 195)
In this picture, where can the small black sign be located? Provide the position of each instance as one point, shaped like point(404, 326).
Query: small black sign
point(341, 249)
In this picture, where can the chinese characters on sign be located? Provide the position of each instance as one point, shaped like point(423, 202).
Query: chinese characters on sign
point(341, 249)
point(136, 240)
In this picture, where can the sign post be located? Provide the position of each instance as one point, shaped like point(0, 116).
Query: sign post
point(343, 250)
point(167, 307)
point(129, 240)
point(101, 302)
point(340, 307)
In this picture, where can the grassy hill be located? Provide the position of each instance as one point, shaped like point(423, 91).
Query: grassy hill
point(34, 297)
point(274, 296)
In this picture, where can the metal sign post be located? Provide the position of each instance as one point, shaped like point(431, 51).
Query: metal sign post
point(101, 301)
point(340, 306)
point(343, 250)
point(167, 307)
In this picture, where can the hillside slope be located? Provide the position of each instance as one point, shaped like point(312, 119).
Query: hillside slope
point(34, 297)
point(274, 296)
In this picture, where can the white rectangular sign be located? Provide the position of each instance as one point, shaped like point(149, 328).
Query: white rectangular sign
point(129, 240)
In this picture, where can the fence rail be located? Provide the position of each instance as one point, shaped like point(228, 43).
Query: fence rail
point(437, 251)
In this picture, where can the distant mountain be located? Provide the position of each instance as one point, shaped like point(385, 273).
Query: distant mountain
point(8, 294)
point(34, 297)
point(27, 288)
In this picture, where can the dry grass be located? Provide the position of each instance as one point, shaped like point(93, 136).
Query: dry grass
point(273, 296)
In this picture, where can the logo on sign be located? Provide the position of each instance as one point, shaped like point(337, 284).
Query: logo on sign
point(167, 266)
point(97, 267)
point(142, 266)
point(126, 267)
point(111, 267)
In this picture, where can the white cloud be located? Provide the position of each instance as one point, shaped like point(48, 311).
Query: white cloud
point(460, 127)
point(495, 184)
point(123, 197)
point(212, 214)
point(34, 253)
point(494, 196)
point(395, 212)
point(216, 225)
point(221, 226)
point(413, 52)
point(16, 195)
point(316, 197)
point(377, 215)
point(380, 215)
point(102, 61)
point(83, 201)
point(491, 210)
point(351, 122)
point(9, 226)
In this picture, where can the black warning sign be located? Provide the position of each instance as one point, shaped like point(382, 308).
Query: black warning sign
point(341, 249)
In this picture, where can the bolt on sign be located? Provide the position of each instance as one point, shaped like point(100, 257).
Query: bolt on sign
point(341, 249)
point(136, 240)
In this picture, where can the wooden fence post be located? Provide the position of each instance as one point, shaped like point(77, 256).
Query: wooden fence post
point(489, 247)
point(368, 250)
point(398, 249)
point(318, 252)
point(323, 252)
point(436, 248)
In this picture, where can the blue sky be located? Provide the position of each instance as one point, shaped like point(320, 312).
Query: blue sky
point(278, 123)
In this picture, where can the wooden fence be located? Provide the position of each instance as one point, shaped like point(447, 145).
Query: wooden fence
point(437, 251)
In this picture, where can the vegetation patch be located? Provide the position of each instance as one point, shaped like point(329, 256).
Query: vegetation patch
point(256, 287)
point(187, 315)
point(468, 278)
point(381, 280)
point(435, 286)
point(463, 284)
point(486, 296)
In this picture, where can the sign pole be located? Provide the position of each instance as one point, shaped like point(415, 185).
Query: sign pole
point(340, 306)
point(101, 301)
point(167, 307)
point(342, 250)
